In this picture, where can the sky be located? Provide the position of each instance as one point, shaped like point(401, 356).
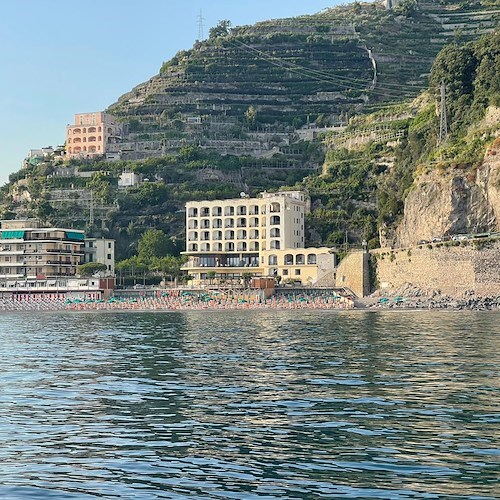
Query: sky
point(58, 58)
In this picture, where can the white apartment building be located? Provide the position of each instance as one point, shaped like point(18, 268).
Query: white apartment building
point(33, 252)
point(249, 235)
point(101, 250)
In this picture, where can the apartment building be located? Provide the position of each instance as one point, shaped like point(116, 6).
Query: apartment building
point(33, 252)
point(249, 235)
point(91, 134)
point(101, 250)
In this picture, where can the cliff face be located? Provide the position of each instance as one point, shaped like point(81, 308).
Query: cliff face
point(453, 203)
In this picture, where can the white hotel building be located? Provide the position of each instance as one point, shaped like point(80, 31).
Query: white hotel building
point(263, 236)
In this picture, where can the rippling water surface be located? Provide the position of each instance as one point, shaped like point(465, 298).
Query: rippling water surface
point(249, 405)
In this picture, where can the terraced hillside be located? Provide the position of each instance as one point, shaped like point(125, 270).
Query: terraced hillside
point(245, 90)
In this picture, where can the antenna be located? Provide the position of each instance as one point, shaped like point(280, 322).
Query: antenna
point(199, 20)
point(443, 123)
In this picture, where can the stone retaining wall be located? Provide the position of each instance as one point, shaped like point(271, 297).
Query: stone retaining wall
point(453, 270)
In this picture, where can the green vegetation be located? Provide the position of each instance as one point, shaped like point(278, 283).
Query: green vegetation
point(224, 117)
point(91, 268)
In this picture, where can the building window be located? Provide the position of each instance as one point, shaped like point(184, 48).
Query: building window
point(297, 272)
point(272, 260)
point(311, 258)
point(285, 272)
point(109, 244)
point(109, 256)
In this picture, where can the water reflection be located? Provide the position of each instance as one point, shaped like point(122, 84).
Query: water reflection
point(249, 404)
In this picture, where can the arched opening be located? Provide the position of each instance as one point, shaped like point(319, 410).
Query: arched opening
point(241, 210)
point(193, 224)
point(217, 211)
point(254, 246)
point(275, 220)
point(242, 234)
point(217, 235)
point(217, 247)
point(217, 223)
point(288, 259)
point(229, 246)
point(205, 247)
point(311, 258)
point(274, 207)
point(275, 232)
point(193, 247)
point(229, 234)
point(91, 129)
point(229, 211)
point(300, 259)
point(275, 244)
point(242, 246)
point(193, 212)
point(272, 260)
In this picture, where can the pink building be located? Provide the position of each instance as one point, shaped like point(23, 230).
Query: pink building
point(91, 134)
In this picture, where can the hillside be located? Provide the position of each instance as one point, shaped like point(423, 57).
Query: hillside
point(331, 103)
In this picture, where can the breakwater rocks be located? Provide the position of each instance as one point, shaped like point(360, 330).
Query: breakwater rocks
point(411, 297)
point(471, 304)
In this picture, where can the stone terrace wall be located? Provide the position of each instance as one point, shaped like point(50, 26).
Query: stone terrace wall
point(452, 270)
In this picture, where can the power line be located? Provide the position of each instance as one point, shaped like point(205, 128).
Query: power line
point(345, 82)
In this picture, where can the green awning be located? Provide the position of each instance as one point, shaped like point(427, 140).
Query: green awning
point(72, 235)
point(12, 235)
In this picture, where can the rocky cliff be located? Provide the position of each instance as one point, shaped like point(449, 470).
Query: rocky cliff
point(453, 201)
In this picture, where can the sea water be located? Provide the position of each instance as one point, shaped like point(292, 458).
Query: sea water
point(249, 404)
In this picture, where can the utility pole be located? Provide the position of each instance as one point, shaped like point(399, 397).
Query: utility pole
point(200, 19)
point(443, 122)
point(91, 214)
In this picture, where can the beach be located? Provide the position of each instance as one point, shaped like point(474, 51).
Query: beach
point(182, 300)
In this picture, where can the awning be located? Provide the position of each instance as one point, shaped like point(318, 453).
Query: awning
point(12, 235)
point(72, 235)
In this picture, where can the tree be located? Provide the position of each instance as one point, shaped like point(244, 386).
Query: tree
point(153, 243)
point(223, 28)
point(251, 116)
point(406, 8)
point(91, 268)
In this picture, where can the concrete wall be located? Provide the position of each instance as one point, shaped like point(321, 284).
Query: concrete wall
point(452, 270)
point(353, 273)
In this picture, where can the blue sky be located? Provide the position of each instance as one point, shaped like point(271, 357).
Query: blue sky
point(59, 58)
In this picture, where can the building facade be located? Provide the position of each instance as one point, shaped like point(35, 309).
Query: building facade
point(91, 134)
point(33, 252)
point(101, 250)
point(230, 238)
